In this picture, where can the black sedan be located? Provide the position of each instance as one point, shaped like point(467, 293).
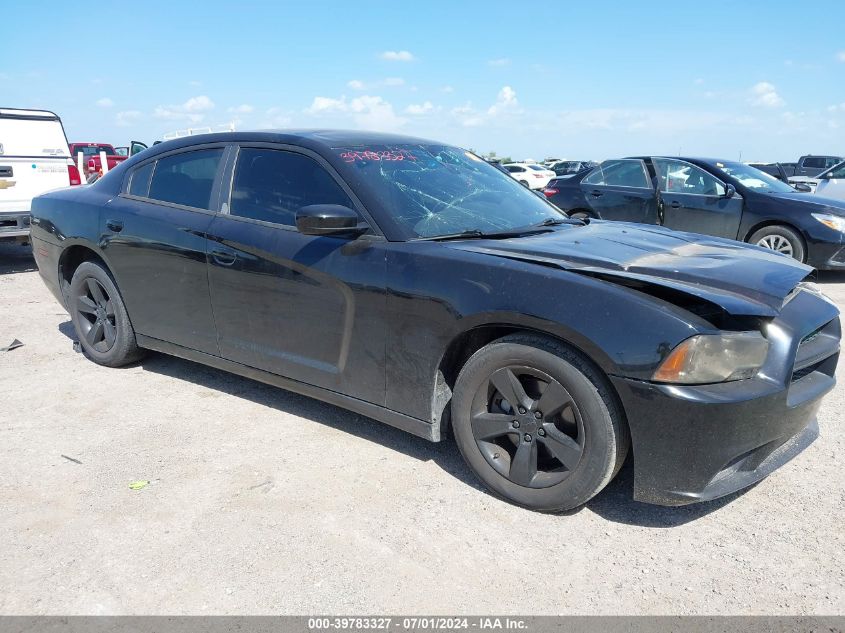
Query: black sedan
point(412, 282)
point(713, 197)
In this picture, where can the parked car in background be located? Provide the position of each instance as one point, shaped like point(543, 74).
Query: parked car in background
point(714, 197)
point(530, 175)
point(811, 166)
point(325, 263)
point(91, 155)
point(831, 183)
point(34, 159)
point(781, 171)
point(568, 167)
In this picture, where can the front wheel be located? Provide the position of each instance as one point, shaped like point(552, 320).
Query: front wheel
point(99, 317)
point(537, 423)
point(781, 239)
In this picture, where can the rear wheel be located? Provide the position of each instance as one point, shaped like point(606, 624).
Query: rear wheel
point(99, 317)
point(537, 423)
point(524, 183)
point(781, 239)
point(580, 215)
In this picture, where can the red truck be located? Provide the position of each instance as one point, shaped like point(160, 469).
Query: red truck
point(91, 155)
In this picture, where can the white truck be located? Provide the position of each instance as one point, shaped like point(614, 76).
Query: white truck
point(34, 159)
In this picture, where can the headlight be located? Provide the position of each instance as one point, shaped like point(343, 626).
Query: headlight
point(834, 222)
point(709, 358)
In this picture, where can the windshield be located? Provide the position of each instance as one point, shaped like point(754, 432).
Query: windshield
point(537, 167)
point(753, 178)
point(433, 190)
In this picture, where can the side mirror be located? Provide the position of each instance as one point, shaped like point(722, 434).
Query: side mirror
point(730, 191)
point(328, 219)
point(803, 187)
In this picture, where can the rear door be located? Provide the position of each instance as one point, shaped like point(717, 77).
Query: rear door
point(33, 158)
point(621, 190)
point(304, 307)
point(694, 200)
point(154, 238)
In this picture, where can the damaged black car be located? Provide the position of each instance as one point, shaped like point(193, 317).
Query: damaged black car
point(412, 282)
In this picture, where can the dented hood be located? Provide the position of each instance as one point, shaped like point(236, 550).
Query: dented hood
point(742, 279)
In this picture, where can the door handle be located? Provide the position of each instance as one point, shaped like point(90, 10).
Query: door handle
point(224, 258)
point(675, 204)
point(597, 194)
point(116, 226)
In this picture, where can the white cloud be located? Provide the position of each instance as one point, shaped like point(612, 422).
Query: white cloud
point(699, 81)
point(276, 117)
point(447, 89)
point(394, 81)
point(419, 108)
point(105, 102)
point(367, 111)
point(840, 56)
point(244, 108)
point(763, 94)
point(398, 56)
point(327, 105)
point(506, 100)
point(837, 107)
point(127, 118)
point(374, 113)
point(193, 110)
point(194, 83)
point(355, 84)
point(502, 61)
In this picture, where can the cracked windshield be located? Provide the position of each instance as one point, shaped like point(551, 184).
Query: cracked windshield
point(434, 190)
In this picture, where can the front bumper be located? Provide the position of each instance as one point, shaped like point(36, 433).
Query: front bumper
point(14, 225)
point(697, 443)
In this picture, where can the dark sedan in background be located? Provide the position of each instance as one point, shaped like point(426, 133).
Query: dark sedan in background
point(713, 197)
point(412, 282)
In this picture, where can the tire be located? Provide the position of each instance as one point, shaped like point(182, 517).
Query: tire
point(580, 214)
point(576, 448)
point(99, 317)
point(525, 184)
point(781, 239)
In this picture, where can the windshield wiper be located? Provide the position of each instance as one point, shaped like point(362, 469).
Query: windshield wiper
point(475, 234)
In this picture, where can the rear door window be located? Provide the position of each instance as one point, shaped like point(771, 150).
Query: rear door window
point(620, 173)
point(814, 162)
point(272, 185)
point(186, 178)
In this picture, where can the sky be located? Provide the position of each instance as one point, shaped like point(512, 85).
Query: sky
point(757, 81)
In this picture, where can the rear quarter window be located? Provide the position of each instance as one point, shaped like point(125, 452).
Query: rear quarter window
point(139, 180)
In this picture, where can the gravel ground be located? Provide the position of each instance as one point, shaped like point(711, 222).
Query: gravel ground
point(262, 501)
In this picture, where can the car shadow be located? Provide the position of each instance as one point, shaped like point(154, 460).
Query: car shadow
point(15, 258)
point(825, 277)
point(615, 503)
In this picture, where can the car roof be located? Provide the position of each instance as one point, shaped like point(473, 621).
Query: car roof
point(314, 138)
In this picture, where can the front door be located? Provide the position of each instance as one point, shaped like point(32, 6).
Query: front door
point(621, 190)
point(694, 200)
point(304, 307)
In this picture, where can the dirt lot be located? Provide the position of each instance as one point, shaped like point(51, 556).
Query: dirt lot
point(262, 501)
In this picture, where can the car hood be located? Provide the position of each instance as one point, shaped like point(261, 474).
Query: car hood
point(742, 279)
point(810, 202)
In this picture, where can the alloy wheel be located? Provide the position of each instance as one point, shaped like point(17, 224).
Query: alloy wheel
point(776, 243)
point(95, 316)
point(527, 426)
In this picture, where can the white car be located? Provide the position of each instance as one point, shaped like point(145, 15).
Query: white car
point(529, 174)
point(831, 183)
point(34, 159)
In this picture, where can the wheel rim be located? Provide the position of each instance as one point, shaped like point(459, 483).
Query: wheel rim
point(776, 243)
point(95, 315)
point(527, 426)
